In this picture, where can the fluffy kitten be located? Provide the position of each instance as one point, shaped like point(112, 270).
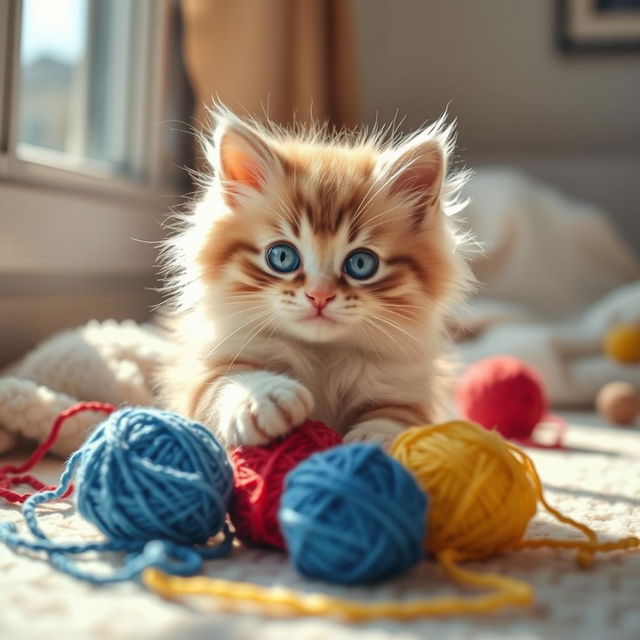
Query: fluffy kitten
point(311, 280)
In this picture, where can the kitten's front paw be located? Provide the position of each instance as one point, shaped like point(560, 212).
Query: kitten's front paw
point(380, 431)
point(258, 407)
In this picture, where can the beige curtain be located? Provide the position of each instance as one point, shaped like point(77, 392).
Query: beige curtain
point(290, 58)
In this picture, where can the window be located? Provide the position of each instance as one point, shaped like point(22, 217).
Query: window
point(81, 92)
point(52, 77)
point(90, 91)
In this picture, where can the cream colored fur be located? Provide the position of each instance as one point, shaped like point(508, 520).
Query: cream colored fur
point(336, 373)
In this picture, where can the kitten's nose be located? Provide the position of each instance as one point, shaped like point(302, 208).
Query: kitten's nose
point(320, 297)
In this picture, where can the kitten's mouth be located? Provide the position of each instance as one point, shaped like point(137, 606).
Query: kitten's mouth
point(318, 317)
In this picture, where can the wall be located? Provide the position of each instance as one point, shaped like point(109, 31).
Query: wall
point(68, 257)
point(572, 120)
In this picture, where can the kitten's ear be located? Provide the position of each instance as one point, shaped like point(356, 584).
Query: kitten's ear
point(417, 169)
point(242, 159)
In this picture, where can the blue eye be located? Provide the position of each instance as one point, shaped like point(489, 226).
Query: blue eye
point(361, 264)
point(283, 258)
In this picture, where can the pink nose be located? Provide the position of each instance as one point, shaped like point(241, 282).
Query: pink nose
point(320, 298)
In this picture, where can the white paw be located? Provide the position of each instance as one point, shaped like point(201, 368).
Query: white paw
point(254, 408)
point(380, 431)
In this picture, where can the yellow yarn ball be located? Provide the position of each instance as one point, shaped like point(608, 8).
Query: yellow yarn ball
point(622, 343)
point(482, 490)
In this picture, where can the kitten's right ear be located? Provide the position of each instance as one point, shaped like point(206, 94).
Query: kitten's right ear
point(242, 159)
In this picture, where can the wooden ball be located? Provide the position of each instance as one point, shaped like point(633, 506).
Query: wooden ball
point(618, 402)
point(622, 343)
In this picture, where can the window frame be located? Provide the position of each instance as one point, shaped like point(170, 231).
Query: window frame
point(150, 69)
point(6, 22)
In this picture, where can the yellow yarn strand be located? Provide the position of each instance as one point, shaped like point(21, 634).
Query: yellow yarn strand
point(585, 548)
point(483, 492)
point(276, 601)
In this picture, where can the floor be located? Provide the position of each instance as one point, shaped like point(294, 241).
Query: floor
point(597, 480)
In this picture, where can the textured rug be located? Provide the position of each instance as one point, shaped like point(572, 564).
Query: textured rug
point(597, 480)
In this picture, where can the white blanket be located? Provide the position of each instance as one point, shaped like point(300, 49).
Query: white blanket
point(108, 361)
point(554, 276)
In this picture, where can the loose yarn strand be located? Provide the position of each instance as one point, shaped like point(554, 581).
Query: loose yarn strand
point(507, 591)
point(17, 471)
point(275, 601)
point(586, 548)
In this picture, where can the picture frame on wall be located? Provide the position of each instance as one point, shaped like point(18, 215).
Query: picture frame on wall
point(598, 25)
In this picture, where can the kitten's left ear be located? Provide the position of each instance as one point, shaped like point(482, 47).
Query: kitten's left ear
point(243, 159)
point(417, 170)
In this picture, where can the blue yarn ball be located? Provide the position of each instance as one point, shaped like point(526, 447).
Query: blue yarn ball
point(353, 515)
point(148, 474)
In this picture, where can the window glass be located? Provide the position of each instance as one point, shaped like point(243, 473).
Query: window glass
point(76, 88)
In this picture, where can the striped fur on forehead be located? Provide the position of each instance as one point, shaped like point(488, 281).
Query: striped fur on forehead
point(325, 189)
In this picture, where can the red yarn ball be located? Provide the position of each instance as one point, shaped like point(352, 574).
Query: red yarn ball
point(502, 393)
point(259, 474)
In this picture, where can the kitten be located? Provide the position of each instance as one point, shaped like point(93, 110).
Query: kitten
point(311, 280)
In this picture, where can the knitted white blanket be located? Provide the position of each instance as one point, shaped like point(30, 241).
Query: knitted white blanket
point(596, 481)
point(104, 361)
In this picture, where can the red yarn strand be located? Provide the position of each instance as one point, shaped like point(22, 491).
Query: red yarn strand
point(560, 426)
point(13, 475)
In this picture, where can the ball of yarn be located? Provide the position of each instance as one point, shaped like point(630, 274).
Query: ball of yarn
point(481, 491)
point(149, 474)
point(259, 474)
point(618, 402)
point(353, 515)
point(502, 393)
point(622, 343)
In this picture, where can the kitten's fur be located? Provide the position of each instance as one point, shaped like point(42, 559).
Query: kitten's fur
point(249, 365)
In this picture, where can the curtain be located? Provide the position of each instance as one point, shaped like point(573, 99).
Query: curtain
point(288, 59)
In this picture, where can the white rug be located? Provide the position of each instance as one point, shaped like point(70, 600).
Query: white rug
point(597, 482)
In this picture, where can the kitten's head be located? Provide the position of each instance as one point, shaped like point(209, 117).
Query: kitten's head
point(324, 239)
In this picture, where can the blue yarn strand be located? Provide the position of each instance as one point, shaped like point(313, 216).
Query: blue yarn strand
point(156, 484)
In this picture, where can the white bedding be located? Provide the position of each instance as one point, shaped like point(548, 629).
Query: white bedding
point(553, 277)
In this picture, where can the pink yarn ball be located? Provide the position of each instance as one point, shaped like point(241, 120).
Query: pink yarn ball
point(502, 393)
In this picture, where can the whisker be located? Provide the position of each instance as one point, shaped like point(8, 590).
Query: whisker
point(401, 315)
point(405, 306)
point(273, 330)
point(246, 310)
point(399, 328)
point(263, 324)
point(257, 318)
point(402, 346)
point(240, 300)
point(367, 335)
